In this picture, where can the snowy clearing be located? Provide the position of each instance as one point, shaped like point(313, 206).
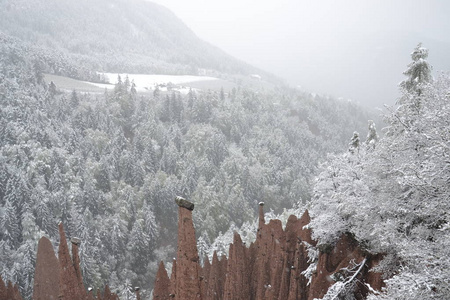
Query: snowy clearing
point(148, 82)
point(144, 83)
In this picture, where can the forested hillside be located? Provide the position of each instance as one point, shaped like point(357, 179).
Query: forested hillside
point(132, 36)
point(388, 193)
point(109, 165)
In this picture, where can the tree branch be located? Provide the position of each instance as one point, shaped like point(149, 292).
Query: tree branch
point(351, 278)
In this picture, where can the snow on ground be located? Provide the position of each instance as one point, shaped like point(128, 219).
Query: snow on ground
point(101, 85)
point(148, 82)
point(144, 83)
point(152, 79)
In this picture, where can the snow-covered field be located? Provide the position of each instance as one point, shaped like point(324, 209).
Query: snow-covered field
point(148, 82)
point(145, 83)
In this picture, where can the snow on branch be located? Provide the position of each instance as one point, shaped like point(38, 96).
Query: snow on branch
point(336, 290)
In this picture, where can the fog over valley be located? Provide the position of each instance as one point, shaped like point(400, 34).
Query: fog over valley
point(351, 49)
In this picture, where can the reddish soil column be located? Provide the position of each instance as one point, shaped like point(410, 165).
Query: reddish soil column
point(46, 275)
point(71, 286)
point(187, 274)
point(162, 284)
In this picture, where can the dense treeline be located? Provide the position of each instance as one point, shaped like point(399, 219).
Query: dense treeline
point(43, 60)
point(109, 165)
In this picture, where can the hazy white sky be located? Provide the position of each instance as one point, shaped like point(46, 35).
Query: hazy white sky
point(313, 43)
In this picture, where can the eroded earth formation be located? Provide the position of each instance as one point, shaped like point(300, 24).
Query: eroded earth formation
point(275, 267)
point(57, 278)
point(282, 264)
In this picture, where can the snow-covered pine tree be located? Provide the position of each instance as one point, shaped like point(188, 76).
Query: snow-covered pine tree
point(372, 135)
point(418, 72)
point(203, 246)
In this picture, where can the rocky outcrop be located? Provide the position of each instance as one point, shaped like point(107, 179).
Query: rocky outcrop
point(9, 291)
point(216, 277)
point(91, 294)
point(108, 295)
point(187, 281)
point(46, 273)
point(274, 267)
point(57, 278)
point(181, 202)
point(162, 284)
point(70, 281)
point(343, 260)
point(238, 274)
point(173, 279)
point(204, 277)
point(2, 289)
point(99, 295)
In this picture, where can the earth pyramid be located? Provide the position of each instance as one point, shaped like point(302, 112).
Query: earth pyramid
point(276, 266)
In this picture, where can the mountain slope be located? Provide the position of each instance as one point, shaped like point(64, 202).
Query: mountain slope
point(108, 165)
point(117, 36)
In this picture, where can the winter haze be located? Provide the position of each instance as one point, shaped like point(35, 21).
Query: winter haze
point(112, 109)
point(351, 49)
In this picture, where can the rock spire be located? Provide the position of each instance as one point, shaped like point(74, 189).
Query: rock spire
point(162, 284)
point(56, 278)
point(46, 273)
point(187, 280)
point(70, 281)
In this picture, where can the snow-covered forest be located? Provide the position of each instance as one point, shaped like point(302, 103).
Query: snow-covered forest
point(110, 165)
